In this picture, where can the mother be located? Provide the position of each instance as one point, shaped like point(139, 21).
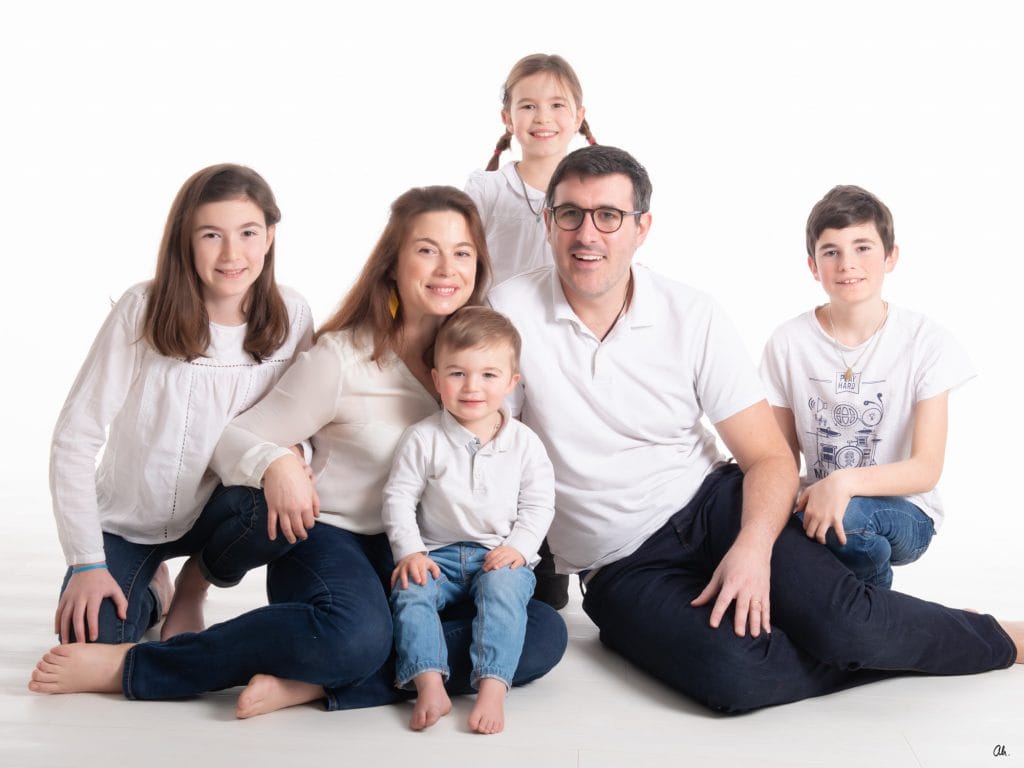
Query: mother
point(327, 630)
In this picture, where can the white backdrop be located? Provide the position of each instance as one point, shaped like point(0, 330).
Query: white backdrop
point(745, 113)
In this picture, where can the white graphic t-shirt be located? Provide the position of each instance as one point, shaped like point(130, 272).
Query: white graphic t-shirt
point(867, 419)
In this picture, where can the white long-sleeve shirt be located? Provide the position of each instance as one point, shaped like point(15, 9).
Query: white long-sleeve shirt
point(157, 420)
point(513, 224)
point(355, 411)
point(445, 488)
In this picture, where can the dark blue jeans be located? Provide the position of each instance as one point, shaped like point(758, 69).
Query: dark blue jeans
point(229, 538)
point(830, 630)
point(881, 531)
point(328, 623)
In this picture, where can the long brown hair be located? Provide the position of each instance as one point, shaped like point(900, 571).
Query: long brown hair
point(367, 304)
point(527, 66)
point(176, 322)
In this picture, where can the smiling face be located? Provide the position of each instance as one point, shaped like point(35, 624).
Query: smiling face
point(230, 240)
point(436, 267)
point(851, 263)
point(593, 266)
point(542, 116)
point(473, 384)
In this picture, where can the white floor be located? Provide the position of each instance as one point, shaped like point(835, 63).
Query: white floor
point(593, 711)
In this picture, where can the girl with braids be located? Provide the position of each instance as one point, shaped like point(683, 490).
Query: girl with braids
point(177, 358)
point(542, 108)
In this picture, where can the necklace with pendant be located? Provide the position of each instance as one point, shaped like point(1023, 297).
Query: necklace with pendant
point(622, 309)
point(848, 374)
point(526, 197)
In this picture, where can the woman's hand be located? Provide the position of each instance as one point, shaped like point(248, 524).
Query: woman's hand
point(292, 501)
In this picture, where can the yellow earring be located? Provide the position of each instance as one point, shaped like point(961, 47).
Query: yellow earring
point(393, 302)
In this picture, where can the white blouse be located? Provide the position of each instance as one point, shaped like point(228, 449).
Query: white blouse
point(513, 222)
point(355, 412)
point(157, 420)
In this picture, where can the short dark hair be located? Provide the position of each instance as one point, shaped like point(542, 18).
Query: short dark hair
point(603, 160)
point(471, 327)
point(845, 206)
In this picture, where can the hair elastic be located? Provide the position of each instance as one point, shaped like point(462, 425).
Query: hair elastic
point(94, 566)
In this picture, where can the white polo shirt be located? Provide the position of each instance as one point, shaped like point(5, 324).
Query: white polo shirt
point(621, 418)
point(445, 488)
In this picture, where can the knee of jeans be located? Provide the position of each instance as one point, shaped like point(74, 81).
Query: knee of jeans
point(864, 549)
point(544, 645)
point(112, 629)
point(416, 594)
point(364, 645)
point(859, 514)
point(730, 683)
point(848, 636)
point(515, 585)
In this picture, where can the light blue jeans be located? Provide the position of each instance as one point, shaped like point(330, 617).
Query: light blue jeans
point(499, 626)
point(881, 531)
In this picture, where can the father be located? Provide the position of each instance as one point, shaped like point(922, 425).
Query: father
point(619, 365)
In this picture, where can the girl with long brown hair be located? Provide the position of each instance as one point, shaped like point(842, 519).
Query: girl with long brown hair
point(178, 357)
point(327, 633)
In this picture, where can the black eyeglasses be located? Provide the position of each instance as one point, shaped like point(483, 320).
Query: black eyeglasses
point(570, 217)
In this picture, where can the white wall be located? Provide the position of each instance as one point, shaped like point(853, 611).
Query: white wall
point(745, 113)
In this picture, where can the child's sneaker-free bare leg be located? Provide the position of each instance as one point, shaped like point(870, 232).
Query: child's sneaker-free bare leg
point(432, 702)
point(185, 613)
point(488, 715)
point(80, 668)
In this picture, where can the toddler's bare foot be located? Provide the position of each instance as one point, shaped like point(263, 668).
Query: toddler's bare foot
point(266, 693)
point(432, 702)
point(161, 585)
point(185, 613)
point(488, 715)
point(80, 668)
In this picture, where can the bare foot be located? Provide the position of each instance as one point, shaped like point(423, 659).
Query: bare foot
point(488, 715)
point(80, 668)
point(432, 702)
point(266, 693)
point(1015, 629)
point(161, 585)
point(185, 613)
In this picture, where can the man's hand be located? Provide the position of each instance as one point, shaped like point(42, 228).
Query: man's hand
point(743, 576)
